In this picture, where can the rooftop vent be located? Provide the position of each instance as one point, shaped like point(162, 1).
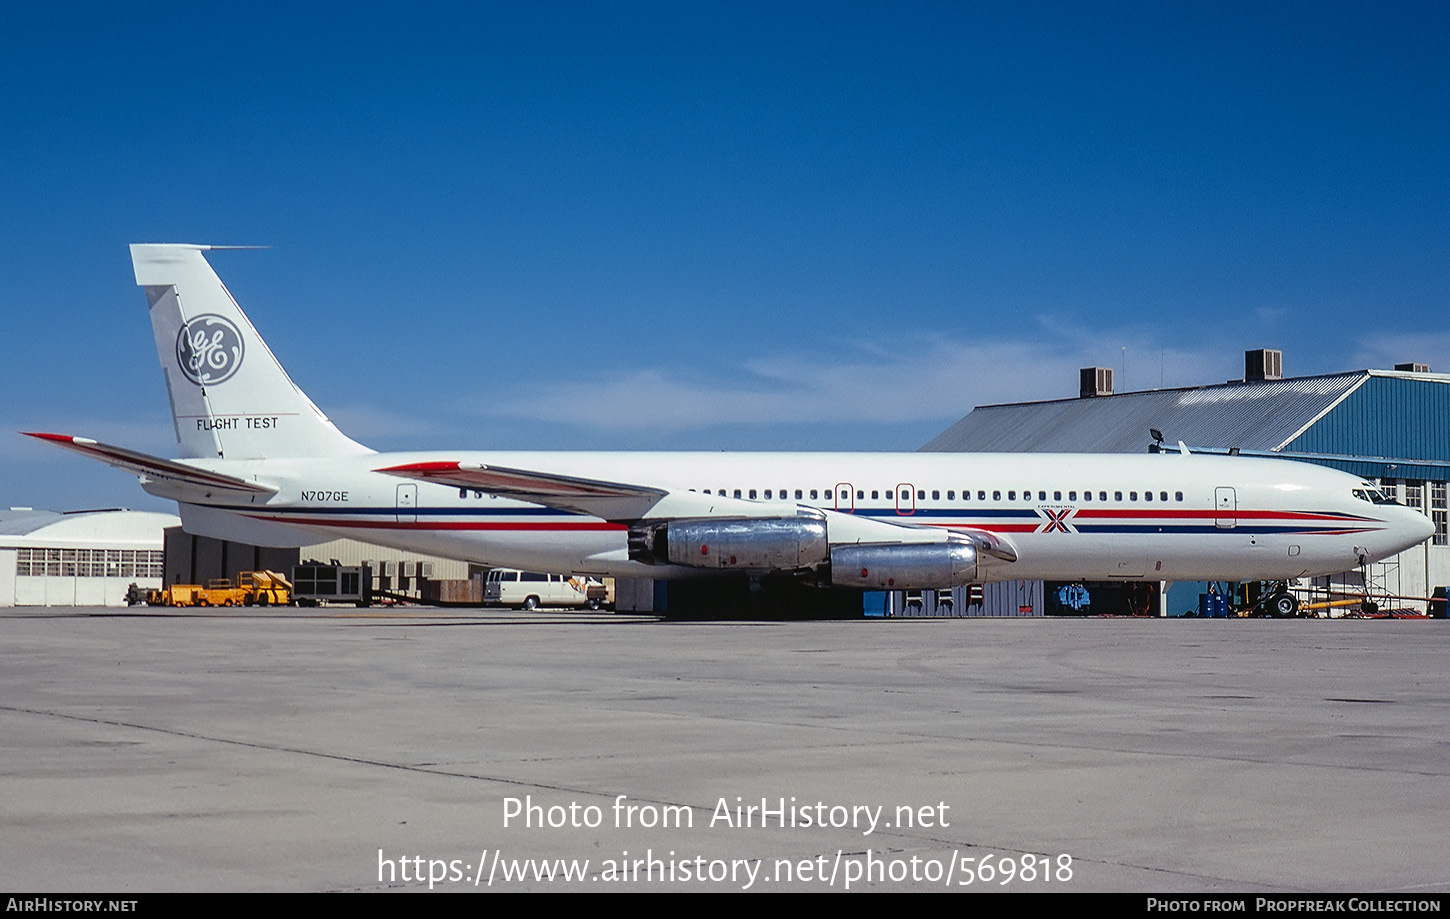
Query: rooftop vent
point(1413, 368)
point(1095, 381)
point(1263, 364)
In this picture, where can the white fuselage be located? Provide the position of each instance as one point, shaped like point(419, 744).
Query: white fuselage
point(1071, 516)
point(262, 464)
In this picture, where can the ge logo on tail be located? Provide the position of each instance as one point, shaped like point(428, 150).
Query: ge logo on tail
point(209, 349)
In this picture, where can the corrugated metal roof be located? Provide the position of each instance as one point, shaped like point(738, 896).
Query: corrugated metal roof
point(17, 522)
point(1251, 416)
point(1392, 416)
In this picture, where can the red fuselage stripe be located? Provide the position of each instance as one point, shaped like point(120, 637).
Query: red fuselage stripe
point(582, 527)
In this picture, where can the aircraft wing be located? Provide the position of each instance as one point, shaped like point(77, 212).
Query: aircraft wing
point(153, 468)
point(606, 500)
point(627, 503)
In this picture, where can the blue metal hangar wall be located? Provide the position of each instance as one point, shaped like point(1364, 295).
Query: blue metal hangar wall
point(1391, 426)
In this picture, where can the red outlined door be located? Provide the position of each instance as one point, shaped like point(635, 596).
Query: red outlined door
point(905, 499)
point(844, 498)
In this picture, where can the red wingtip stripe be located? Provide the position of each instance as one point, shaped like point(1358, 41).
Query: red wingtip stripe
point(422, 468)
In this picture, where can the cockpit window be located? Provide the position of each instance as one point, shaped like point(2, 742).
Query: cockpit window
point(1373, 495)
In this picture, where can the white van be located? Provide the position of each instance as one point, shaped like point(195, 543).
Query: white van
point(530, 590)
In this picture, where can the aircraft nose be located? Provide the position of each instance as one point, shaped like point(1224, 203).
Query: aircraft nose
point(1413, 528)
point(1406, 528)
point(1425, 527)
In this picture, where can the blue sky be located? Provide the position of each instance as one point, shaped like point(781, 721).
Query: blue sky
point(712, 226)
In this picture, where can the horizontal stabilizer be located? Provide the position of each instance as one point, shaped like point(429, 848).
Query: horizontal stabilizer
point(152, 467)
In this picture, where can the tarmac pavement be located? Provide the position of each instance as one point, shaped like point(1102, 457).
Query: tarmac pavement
point(292, 750)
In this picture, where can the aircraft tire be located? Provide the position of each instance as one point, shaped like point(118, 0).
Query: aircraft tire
point(1284, 606)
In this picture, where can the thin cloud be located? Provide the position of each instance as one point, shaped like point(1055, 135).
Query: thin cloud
point(1386, 350)
point(920, 378)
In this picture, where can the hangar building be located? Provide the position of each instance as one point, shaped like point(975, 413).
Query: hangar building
point(79, 558)
point(1391, 426)
point(91, 558)
point(192, 559)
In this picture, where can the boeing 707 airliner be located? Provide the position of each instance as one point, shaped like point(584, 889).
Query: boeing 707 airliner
point(260, 463)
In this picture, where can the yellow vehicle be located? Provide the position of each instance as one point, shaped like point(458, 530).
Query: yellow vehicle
point(265, 588)
point(217, 592)
point(255, 588)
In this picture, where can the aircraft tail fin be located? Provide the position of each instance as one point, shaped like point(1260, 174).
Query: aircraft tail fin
point(229, 396)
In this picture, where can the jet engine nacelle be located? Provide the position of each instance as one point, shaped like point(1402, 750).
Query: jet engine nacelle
point(911, 566)
point(757, 543)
